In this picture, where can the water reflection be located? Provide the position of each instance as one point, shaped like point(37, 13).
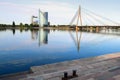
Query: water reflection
point(21, 30)
point(76, 38)
point(34, 34)
point(41, 35)
point(22, 51)
point(13, 31)
point(102, 33)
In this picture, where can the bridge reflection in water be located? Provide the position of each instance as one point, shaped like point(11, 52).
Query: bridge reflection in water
point(76, 38)
point(42, 36)
point(79, 17)
point(78, 35)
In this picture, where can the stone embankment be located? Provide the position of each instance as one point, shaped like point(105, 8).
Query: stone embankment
point(106, 67)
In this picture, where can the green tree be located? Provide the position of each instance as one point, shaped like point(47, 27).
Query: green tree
point(26, 25)
point(21, 27)
point(21, 24)
point(13, 24)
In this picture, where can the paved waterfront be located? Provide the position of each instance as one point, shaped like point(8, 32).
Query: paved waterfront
point(106, 67)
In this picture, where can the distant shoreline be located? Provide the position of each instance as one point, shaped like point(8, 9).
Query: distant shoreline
point(60, 26)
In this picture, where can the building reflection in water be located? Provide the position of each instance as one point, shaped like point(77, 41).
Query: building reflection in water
point(41, 35)
point(34, 34)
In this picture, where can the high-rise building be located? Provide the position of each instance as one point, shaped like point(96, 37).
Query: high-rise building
point(46, 18)
point(43, 18)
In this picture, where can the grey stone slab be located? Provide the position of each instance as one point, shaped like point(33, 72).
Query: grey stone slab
point(98, 68)
point(114, 68)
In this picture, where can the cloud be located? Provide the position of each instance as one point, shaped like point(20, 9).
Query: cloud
point(59, 12)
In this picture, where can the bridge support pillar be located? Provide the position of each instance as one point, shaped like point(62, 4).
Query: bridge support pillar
point(97, 29)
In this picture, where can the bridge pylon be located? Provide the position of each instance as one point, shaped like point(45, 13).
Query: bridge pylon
point(79, 17)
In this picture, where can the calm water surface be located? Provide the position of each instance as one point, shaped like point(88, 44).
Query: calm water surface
point(19, 50)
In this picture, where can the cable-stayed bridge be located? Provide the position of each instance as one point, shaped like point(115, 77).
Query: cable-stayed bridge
point(87, 18)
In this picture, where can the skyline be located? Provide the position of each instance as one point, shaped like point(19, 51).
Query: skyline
point(60, 12)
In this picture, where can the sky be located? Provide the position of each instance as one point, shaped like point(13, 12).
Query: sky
point(60, 11)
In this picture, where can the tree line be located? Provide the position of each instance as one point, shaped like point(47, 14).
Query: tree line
point(20, 25)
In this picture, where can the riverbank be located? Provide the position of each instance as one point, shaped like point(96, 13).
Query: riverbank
point(63, 27)
point(105, 67)
point(32, 28)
